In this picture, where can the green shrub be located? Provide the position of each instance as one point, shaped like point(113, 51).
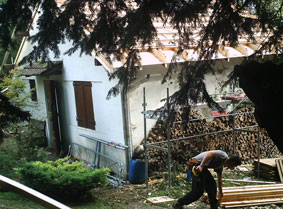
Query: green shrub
point(62, 179)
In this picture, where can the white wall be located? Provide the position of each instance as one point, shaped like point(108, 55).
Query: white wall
point(108, 113)
point(155, 91)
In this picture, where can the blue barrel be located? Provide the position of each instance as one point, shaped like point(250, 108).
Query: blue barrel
point(137, 172)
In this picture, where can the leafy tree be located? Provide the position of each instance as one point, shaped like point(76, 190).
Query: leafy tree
point(10, 113)
point(110, 32)
point(12, 101)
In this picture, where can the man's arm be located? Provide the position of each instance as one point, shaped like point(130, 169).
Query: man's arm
point(209, 155)
point(219, 185)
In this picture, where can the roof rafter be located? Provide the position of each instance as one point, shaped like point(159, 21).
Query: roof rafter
point(240, 48)
point(159, 55)
point(222, 50)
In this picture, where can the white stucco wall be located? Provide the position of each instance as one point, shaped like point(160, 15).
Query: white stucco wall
point(108, 113)
point(155, 92)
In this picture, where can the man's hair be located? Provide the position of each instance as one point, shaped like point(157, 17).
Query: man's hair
point(235, 159)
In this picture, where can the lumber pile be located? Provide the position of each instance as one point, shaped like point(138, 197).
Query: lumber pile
point(183, 149)
point(267, 169)
point(244, 196)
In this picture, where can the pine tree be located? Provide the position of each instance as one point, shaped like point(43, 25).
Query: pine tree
point(110, 32)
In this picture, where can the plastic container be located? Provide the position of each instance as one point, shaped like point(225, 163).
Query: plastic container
point(189, 175)
point(137, 172)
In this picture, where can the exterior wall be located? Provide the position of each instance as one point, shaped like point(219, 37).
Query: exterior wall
point(155, 92)
point(108, 113)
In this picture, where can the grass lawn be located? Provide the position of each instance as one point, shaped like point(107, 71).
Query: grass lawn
point(130, 196)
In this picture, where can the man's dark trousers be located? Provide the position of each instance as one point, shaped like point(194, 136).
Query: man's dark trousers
point(204, 182)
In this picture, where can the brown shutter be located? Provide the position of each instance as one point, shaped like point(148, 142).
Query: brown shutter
point(80, 104)
point(89, 105)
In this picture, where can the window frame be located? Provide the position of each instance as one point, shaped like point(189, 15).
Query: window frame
point(32, 86)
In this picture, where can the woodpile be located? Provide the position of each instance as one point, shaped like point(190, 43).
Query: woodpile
point(245, 196)
point(185, 146)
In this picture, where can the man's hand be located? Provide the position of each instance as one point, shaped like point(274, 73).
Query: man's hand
point(220, 194)
point(199, 168)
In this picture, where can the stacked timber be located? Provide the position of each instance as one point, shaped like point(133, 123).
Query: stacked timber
point(245, 196)
point(191, 138)
point(267, 169)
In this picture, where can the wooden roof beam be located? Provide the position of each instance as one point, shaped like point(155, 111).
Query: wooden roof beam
point(222, 50)
point(159, 55)
point(105, 61)
point(240, 48)
point(183, 54)
point(254, 47)
point(124, 59)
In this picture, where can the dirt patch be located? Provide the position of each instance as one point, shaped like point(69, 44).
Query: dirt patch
point(131, 196)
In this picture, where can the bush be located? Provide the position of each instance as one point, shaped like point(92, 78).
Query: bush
point(63, 180)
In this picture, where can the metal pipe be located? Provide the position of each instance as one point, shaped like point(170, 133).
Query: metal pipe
point(168, 145)
point(199, 135)
point(156, 147)
point(258, 152)
point(234, 132)
point(145, 141)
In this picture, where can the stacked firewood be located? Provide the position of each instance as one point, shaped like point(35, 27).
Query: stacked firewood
point(190, 138)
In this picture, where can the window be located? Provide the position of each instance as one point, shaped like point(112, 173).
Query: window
point(84, 104)
point(33, 90)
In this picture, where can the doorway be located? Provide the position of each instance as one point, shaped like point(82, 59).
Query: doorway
point(53, 115)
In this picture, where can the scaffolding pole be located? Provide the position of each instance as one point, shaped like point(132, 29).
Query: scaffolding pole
point(145, 140)
point(155, 115)
point(168, 145)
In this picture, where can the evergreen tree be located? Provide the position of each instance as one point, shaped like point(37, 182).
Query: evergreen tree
point(113, 33)
point(116, 26)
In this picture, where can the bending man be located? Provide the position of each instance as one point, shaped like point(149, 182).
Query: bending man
point(204, 181)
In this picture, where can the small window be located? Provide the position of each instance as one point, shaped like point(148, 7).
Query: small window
point(33, 90)
point(84, 104)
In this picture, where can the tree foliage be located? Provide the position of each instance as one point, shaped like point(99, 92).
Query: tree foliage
point(12, 100)
point(116, 26)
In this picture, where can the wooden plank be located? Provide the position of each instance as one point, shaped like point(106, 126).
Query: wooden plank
point(281, 169)
point(251, 203)
point(279, 165)
point(250, 181)
point(161, 199)
point(252, 196)
point(36, 196)
point(268, 162)
point(251, 187)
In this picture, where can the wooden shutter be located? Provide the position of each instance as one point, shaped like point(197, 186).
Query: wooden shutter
point(80, 104)
point(84, 104)
point(89, 105)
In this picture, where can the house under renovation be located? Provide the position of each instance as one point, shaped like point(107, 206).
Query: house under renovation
point(70, 95)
